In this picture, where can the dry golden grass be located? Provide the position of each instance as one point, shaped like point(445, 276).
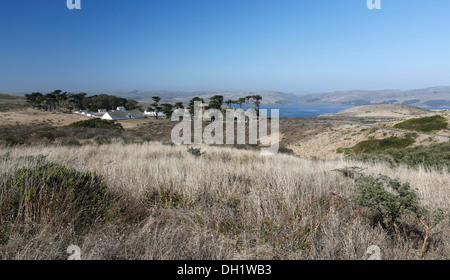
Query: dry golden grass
point(324, 144)
point(33, 117)
point(231, 204)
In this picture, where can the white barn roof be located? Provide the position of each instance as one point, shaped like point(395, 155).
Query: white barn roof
point(123, 115)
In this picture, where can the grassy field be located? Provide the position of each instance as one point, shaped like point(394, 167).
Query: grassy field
point(131, 194)
point(165, 203)
point(12, 102)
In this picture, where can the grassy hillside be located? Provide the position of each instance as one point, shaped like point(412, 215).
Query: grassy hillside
point(432, 97)
point(12, 102)
point(164, 203)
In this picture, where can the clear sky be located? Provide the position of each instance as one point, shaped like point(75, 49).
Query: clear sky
point(285, 45)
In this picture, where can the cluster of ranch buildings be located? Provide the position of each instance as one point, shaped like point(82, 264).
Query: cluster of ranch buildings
point(120, 113)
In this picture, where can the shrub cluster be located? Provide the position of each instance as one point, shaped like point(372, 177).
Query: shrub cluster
point(97, 123)
point(393, 202)
point(378, 145)
point(195, 151)
point(101, 139)
point(426, 124)
point(432, 156)
point(52, 192)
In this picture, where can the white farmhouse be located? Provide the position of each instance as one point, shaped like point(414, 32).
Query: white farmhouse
point(123, 115)
point(153, 114)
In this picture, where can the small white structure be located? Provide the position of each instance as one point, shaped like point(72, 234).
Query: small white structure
point(84, 112)
point(123, 115)
point(102, 110)
point(153, 114)
point(121, 108)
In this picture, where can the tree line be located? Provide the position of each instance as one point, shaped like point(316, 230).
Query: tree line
point(59, 100)
point(215, 102)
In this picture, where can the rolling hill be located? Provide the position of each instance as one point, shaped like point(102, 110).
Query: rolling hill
point(435, 97)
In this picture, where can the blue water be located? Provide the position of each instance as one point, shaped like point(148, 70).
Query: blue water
point(297, 111)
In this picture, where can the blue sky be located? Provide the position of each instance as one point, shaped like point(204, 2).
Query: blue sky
point(292, 46)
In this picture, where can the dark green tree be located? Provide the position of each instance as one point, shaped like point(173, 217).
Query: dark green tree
point(77, 100)
point(132, 104)
point(229, 102)
point(240, 101)
point(257, 99)
point(215, 102)
point(248, 100)
point(167, 109)
point(191, 104)
point(178, 105)
point(35, 99)
point(155, 107)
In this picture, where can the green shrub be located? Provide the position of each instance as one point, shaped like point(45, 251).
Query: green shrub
point(393, 201)
point(391, 198)
point(101, 139)
point(377, 145)
point(70, 142)
point(169, 143)
point(97, 123)
point(426, 124)
point(11, 140)
point(285, 150)
point(432, 156)
point(195, 151)
point(53, 192)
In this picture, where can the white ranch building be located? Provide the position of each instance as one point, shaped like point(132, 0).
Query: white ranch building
point(123, 115)
point(153, 114)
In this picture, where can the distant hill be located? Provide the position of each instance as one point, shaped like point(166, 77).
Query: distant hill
point(269, 97)
point(435, 97)
point(381, 111)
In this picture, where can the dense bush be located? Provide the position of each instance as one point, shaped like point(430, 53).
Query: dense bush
point(70, 142)
point(393, 201)
point(97, 123)
point(426, 124)
point(432, 156)
point(11, 140)
point(377, 145)
point(101, 139)
point(285, 150)
point(51, 192)
point(195, 151)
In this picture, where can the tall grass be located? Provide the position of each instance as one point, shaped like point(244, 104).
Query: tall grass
point(226, 204)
